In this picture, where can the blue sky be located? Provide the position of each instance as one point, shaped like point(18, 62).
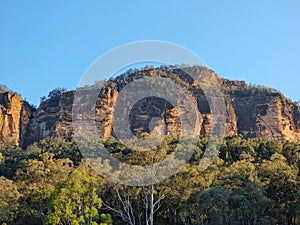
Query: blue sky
point(48, 44)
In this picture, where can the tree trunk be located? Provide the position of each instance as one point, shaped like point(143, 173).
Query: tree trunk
point(151, 205)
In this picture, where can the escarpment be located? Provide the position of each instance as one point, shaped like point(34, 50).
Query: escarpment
point(15, 115)
point(252, 111)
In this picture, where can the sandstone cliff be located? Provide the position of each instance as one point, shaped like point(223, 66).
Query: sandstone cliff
point(54, 116)
point(15, 115)
point(254, 112)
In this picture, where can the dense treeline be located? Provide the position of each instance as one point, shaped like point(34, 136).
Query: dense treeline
point(250, 182)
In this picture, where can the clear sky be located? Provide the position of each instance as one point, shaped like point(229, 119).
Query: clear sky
point(48, 44)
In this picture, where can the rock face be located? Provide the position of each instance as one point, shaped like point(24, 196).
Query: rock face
point(54, 116)
point(262, 112)
point(15, 115)
point(269, 116)
point(254, 112)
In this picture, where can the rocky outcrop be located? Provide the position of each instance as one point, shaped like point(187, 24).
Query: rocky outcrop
point(254, 112)
point(54, 116)
point(267, 115)
point(15, 115)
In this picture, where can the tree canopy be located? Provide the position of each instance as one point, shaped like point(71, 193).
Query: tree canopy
point(251, 182)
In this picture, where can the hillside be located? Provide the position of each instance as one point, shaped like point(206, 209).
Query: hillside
point(45, 178)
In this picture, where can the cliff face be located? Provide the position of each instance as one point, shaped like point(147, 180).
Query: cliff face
point(54, 116)
point(269, 116)
point(254, 112)
point(15, 115)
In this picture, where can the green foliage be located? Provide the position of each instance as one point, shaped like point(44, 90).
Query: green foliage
point(14, 157)
point(281, 183)
point(251, 182)
point(75, 201)
point(42, 99)
point(207, 207)
point(244, 90)
point(59, 147)
point(56, 92)
point(9, 197)
point(3, 88)
point(35, 182)
point(11, 160)
point(249, 205)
